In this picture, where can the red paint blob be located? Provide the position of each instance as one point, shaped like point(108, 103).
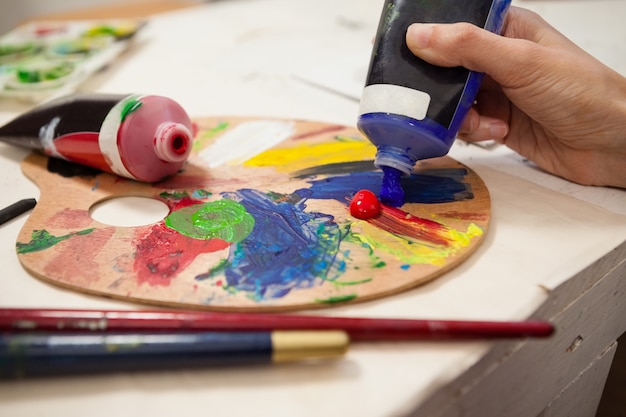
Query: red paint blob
point(162, 253)
point(365, 205)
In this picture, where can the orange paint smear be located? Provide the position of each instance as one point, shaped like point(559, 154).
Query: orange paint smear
point(399, 222)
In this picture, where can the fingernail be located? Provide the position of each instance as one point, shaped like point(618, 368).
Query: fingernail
point(419, 35)
point(498, 130)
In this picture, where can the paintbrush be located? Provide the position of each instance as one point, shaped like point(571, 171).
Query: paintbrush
point(50, 354)
point(358, 329)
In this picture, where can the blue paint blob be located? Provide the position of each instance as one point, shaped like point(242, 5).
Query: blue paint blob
point(343, 187)
point(287, 249)
point(426, 187)
point(437, 186)
point(391, 192)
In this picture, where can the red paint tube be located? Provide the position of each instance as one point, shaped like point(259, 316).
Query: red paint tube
point(144, 138)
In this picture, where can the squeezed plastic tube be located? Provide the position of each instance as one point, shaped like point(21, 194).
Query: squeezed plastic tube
point(145, 138)
point(412, 110)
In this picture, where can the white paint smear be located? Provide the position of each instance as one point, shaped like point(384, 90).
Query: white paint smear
point(245, 141)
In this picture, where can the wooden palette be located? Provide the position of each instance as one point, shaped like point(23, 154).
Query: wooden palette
point(258, 221)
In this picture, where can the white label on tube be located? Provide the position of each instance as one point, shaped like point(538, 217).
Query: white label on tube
point(395, 99)
point(108, 137)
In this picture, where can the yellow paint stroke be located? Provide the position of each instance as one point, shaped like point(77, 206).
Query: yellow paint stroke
point(412, 251)
point(342, 149)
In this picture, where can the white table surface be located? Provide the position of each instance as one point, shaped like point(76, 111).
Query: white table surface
point(306, 59)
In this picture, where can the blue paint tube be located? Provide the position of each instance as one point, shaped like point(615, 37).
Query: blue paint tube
point(412, 110)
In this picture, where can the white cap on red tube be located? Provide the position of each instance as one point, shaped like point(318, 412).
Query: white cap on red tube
point(172, 142)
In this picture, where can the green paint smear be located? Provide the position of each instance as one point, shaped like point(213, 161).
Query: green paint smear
point(375, 261)
point(293, 198)
point(176, 195)
point(208, 134)
point(201, 194)
point(338, 299)
point(363, 281)
point(213, 131)
point(220, 268)
point(8, 49)
point(179, 195)
point(130, 105)
point(344, 138)
point(29, 75)
point(42, 240)
point(223, 219)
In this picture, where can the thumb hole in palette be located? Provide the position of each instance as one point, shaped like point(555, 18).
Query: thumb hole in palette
point(129, 211)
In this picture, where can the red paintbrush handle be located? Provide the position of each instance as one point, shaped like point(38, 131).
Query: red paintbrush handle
point(359, 329)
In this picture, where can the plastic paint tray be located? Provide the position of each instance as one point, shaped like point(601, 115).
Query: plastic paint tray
point(42, 60)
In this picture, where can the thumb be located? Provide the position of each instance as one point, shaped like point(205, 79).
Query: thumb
point(466, 45)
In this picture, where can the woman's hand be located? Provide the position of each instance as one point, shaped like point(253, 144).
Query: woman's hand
point(542, 95)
